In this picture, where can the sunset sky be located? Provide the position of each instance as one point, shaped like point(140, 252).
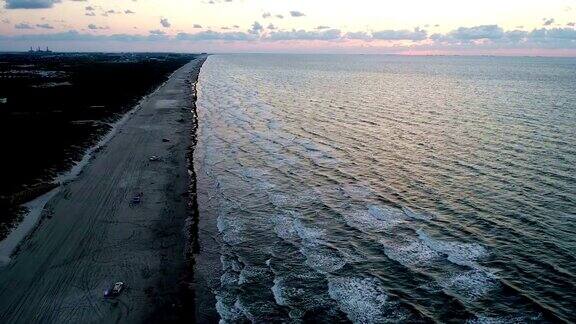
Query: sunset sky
point(512, 27)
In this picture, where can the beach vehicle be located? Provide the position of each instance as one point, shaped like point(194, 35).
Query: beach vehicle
point(114, 291)
point(137, 199)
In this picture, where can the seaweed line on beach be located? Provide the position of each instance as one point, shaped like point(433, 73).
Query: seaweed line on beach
point(192, 244)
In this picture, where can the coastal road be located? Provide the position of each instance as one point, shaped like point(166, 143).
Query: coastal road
point(92, 236)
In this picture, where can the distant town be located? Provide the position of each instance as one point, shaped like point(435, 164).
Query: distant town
point(40, 51)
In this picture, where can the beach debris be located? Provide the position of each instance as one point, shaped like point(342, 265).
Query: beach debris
point(114, 291)
point(154, 158)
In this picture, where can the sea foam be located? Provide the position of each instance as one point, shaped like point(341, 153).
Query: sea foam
point(364, 300)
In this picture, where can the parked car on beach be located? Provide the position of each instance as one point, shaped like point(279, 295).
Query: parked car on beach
point(114, 291)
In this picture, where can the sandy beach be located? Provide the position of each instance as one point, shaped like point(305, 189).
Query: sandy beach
point(92, 235)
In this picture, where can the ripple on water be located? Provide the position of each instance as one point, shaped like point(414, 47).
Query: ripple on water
point(304, 183)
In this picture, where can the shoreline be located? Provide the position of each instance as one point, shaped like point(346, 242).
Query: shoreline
point(93, 236)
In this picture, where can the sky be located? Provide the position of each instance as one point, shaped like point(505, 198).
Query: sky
point(409, 27)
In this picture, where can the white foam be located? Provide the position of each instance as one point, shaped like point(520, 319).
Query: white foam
point(229, 278)
point(387, 214)
point(283, 294)
point(298, 299)
point(279, 200)
point(311, 236)
point(284, 226)
point(231, 229)
point(375, 218)
point(252, 274)
point(229, 263)
point(411, 253)
point(470, 285)
point(358, 191)
point(322, 260)
point(364, 300)
point(465, 254)
point(301, 197)
point(416, 215)
point(289, 227)
point(252, 173)
point(228, 313)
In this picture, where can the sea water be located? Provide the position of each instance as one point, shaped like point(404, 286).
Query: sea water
point(391, 189)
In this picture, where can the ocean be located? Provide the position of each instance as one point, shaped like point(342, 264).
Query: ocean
point(370, 189)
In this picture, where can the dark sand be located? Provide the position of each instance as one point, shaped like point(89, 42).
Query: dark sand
point(91, 236)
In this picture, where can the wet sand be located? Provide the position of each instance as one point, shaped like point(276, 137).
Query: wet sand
point(92, 236)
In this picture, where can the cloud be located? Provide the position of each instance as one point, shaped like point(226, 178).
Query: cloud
point(30, 4)
point(44, 26)
point(256, 28)
point(94, 27)
point(416, 35)
point(165, 23)
point(330, 34)
point(358, 35)
point(494, 37)
point(477, 32)
point(73, 35)
point(23, 26)
point(515, 35)
point(548, 21)
point(296, 14)
point(469, 39)
point(210, 35)
point(553, 34)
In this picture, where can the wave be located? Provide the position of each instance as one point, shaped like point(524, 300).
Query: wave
point(454, 263)
point(323, 260)
point(465, 254)
point(365, 301)
point(416, 215)
point(410, 252)
point(375, 218)
point(318, 257)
